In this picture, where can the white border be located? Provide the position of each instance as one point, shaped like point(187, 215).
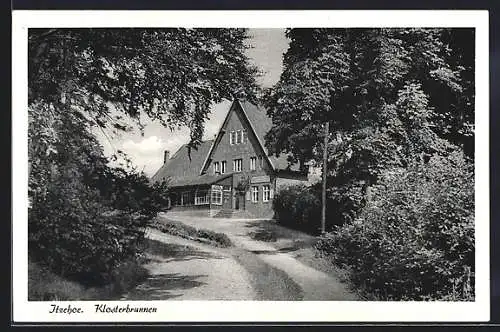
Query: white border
point(246, 311)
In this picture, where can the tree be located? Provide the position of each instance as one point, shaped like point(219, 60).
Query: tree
point(391, 95)
point(86, 217)
point(399, 105)
point(105, 76)
point(171, 75)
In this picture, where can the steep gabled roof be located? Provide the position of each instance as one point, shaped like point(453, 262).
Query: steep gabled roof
point(181, 165)
point(261, 123)
point(258, 118)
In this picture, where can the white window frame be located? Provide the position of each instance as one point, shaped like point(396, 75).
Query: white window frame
point(237, 162)
point(255, 194)
point(216, 167)
point(223, 167)
point(218, 196)
point(202, 200)
point(239, 137)
point(261, 162)
point(253, 163)
point(266, 193)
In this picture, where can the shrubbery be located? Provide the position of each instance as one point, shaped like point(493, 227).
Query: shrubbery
point(77, 235)
point(415, 239)
point(298, 207)
point(85, 219)
point(344, 202)
point(131, 192)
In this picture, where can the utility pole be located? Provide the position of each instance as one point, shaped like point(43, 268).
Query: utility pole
point(323, 192)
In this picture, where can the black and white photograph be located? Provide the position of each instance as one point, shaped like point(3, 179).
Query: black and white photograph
point(169, 165)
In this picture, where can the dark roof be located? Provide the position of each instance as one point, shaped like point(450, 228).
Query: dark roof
point(204, 179)
point(261, 124)
point(182, 165)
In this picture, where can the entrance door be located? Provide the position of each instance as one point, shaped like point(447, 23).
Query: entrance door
point(227, 202)
point(237, 202)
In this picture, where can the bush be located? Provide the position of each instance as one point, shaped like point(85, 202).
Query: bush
point(298, 207)
point(344, 202)
point(415, 239)
point(131, 191)
point(78, 237)
point(86, 219)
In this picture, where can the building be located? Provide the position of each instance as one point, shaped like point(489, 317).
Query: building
point(232, 172)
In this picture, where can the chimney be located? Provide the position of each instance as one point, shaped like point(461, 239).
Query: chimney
point(166, 156)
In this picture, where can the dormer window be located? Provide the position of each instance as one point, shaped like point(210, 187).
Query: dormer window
point(216, 168)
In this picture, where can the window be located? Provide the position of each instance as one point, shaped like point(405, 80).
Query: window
point(237, 163)
point(186, 198)
point(223, 167)
point(232, 137)
point(239, 137)
point(216, 167)
point(217, 196)
point(255, 194)
point(261, 162)
point(253, 161)
point(266, 193)
point(201, 197)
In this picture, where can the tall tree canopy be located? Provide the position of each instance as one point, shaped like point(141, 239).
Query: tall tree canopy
point(390, 95)
point(171, 75)
point(103, 77)
point(400, 107)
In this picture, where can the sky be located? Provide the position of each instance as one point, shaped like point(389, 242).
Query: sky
point(146, 152)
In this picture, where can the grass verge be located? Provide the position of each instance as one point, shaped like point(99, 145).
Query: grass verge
point(263, 235)
point(44, 285)
point(268, 282)
point(191, 233)
point(313, 258)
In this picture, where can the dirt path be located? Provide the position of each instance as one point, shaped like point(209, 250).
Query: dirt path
point(185, 270)
point(181, 269)
point(289, 278)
